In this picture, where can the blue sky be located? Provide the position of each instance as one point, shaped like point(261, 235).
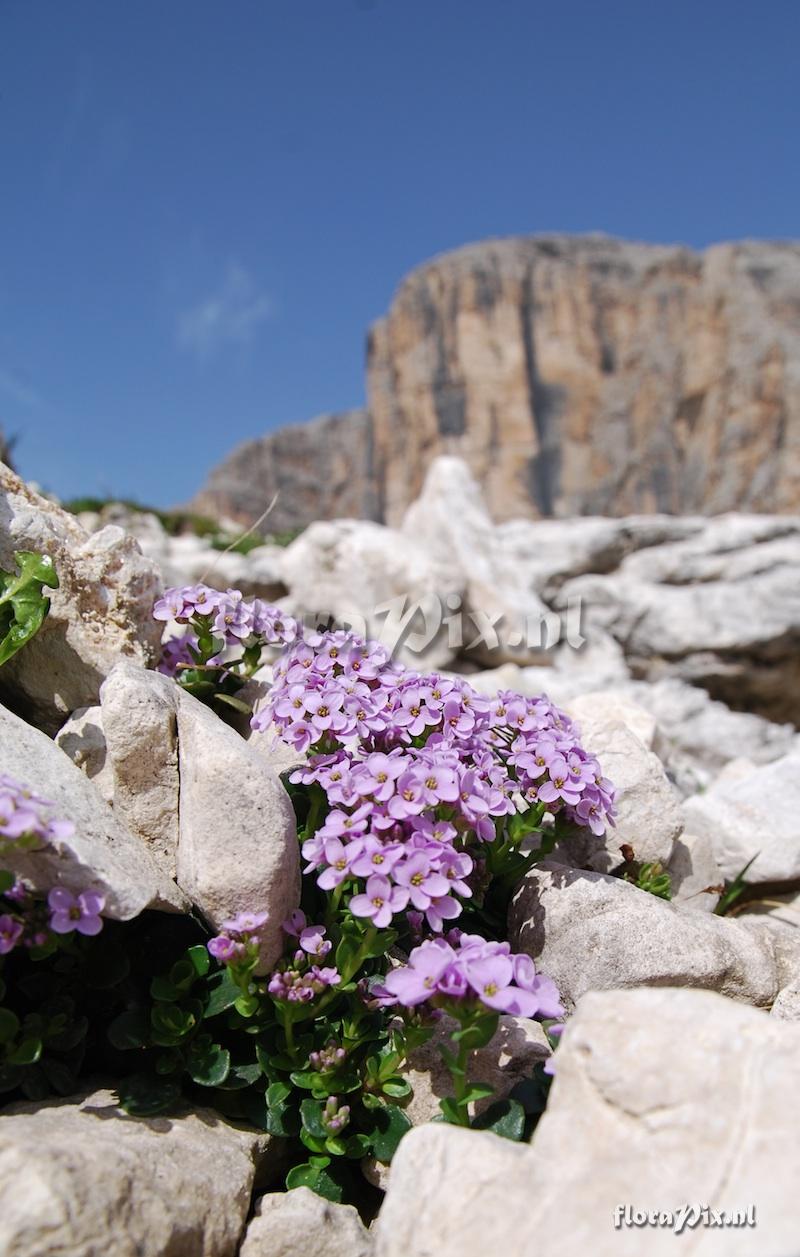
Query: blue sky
point(206, 203)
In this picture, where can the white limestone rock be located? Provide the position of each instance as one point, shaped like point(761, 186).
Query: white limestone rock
point(80, 1178)
point(102, 854)
point(589, 932)
point(101, 612)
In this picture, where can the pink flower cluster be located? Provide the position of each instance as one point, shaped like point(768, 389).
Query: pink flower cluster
point(334, 691)
point(303, 979)
point(32, 924)
point(228, 614)
point(467, 967)
point(238, 938)
point(416, 769)
point(26, 815)
point(26, 821)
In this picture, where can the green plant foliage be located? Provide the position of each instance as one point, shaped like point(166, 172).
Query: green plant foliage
point(652, 878)
point(23, 602)
point(734, 890)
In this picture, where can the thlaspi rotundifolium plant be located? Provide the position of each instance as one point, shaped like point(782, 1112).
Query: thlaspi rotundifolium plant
point(420, 806)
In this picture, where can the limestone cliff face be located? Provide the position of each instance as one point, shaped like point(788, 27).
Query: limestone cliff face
point(575, 375)
point(319, 470)
point(587, 375)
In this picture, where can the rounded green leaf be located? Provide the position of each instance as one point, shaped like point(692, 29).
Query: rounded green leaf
point(207, 1062)
point(144, 1095)
point(130, 1030)
point(26, 1053)
point(9, 1024)
point(391, 1124)
point(505, 1118)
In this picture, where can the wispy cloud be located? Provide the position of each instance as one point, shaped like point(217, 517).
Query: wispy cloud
point(229, 316)
point(15, 387)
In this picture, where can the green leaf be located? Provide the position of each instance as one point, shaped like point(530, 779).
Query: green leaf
point(171, 1023)
point(532, 1092)
point(6, 881)
point(129, 1030)
point(240, 1077)
point(304, 1175)
point(183, 974)
point(238, 704)
point(450, 1110)
point(311, 1115)
point(734, 890)
point(357, 1146)
point(207, 1062)
point(61, 1077)
point(144, 1095)
point(478, 1091)
point(222, 996)
point(9, 1025)
point(169, 1062)
point(162, 989)
point(23, 604)
point(278, 1093)
point(312, 1142)
point(34, 1084)
point(478, 1033)
point(200, 959)
point(523, 823)
point(282, 1115)
point(316, 1177)
point(26, 1053)
point(305, 1078)
point(390, 1125)
point(505, 1118)
point(397, 1088)
point(73, 1032)
point(247, 1005)
point(346, 952)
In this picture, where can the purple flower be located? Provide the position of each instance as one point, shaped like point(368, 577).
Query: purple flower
point(443, 908)
point(295, 923)
point(75, 912)
point(380, 901)
point(560, 784)
point(439, 784)
point(172, 605)
point(374, 856)
point(347, 824)
point(470, 968)
point(10, 933)
point(422, 882)
point(433, 829)
point(314, 942)
point(338, 858)
point(413, 712)
point(24, 815)
point(418, 980)
point(246, 925)
point(378, 775)
point(224, 949)
point(410, 797)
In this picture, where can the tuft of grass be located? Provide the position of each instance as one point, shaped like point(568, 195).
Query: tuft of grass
point(734, 890)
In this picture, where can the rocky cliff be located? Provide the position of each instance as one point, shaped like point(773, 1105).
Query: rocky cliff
point(319, 470)
point(575, 375)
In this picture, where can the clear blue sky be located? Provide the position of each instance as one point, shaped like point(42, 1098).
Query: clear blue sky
point(206, 202)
